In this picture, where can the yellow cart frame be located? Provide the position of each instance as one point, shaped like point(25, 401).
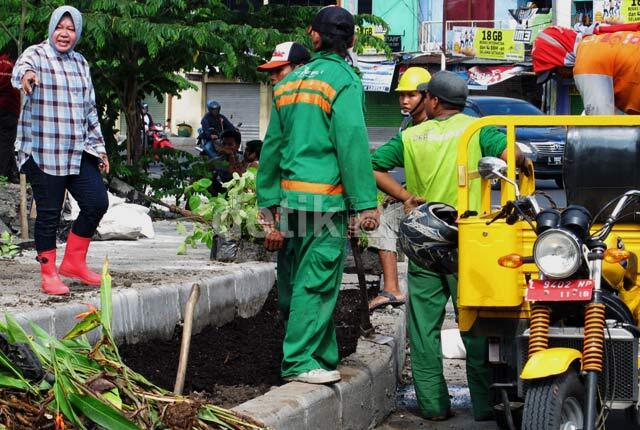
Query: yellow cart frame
point(487, 290)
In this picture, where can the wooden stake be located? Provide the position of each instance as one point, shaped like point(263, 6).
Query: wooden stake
point(186, 339)
point(24, 222)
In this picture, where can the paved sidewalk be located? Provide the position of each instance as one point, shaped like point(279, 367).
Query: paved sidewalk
point(139, 264)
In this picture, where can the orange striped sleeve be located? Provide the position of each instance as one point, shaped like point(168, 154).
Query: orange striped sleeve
point(309, 98)
point(311, 84)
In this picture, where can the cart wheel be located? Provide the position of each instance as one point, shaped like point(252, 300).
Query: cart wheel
point(555, 403)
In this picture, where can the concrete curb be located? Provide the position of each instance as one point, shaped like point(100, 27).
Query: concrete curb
point(361, 400)
point(152, 313)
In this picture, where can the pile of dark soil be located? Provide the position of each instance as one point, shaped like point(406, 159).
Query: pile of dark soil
point(240, 360)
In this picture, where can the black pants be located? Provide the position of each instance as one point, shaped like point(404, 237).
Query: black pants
point(48, 192)
point(8, 127)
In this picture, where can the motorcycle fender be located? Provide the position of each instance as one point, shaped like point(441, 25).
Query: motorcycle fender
point(549, 362)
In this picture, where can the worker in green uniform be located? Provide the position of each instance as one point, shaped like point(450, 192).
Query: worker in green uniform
point(315, 165)
point(428, 153)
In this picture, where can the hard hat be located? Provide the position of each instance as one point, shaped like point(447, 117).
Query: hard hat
point(429, 237)
point(413, 77)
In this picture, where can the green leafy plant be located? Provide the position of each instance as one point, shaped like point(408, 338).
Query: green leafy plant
point(90, 387)
point(3, 180)
point(233, 214)
point(7, 248)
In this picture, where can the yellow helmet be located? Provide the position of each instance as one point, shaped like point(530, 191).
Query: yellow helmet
point(412, 77)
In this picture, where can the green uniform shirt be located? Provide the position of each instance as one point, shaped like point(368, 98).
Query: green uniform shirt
point(432, 147)
point(315, 156)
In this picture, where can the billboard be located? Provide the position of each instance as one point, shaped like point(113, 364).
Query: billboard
point(616, 11)
point(490, 43)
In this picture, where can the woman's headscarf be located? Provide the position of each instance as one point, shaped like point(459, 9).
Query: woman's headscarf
point(57, 15)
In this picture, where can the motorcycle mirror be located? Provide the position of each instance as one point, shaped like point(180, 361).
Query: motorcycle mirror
point(492, 168)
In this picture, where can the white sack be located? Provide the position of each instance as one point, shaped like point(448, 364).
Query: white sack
point(123, 221)
point(452, 346)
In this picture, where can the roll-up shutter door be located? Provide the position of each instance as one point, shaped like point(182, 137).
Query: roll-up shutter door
point(240, 103)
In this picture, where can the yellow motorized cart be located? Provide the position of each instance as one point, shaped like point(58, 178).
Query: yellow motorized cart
point(554, 289)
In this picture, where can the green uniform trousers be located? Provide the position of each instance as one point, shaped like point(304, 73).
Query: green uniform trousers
point(309, 271)
point(428, 296)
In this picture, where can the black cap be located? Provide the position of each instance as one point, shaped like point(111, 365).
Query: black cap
point(447, 86)
point(335, 21)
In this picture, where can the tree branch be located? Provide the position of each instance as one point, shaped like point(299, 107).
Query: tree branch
point(6, 29)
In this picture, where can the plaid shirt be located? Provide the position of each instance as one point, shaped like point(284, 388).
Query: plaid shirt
point(59, 119)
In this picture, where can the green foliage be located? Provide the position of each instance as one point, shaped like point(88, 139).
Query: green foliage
point(179, 170)
point(3, 180)
point(92, 385)
point(7, 248)
point(236, 212)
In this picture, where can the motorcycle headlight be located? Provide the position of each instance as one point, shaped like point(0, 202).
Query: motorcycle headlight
point(557, 254)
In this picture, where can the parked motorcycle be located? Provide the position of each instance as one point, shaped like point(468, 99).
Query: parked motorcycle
point(158, 137)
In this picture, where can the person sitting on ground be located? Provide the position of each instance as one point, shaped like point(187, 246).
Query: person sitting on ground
point(385, 238)
point(252, 153)
point(228, 160)
point(287, 57)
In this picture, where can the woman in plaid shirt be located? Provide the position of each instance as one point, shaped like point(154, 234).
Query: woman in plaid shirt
point(61, 146)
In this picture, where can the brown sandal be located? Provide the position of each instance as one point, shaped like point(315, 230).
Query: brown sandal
point(446, 416)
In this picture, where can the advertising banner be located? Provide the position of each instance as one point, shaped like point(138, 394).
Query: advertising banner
point(616, 11)
point(376, 31)
point(491, 75)
point(377, 76)
point(490, 43)
point(528, 22)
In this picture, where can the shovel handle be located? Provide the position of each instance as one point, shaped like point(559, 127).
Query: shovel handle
point(365, 321)
point(186, 339)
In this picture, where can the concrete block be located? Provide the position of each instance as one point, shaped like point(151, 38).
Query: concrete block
point(252, 288)
point(296, 406)
point(274, 412)
point(42, 317)
point(220, 307)
point(64, 318)
point(160, 313)
point(380, 364)
point(127, 321)
point(130, 312)
point(354, 395)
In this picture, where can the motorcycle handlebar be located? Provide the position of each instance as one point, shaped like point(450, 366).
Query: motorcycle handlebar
point(611, 220)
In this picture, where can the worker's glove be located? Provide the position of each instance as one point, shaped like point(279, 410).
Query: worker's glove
point(413, 202)
point(367, 220)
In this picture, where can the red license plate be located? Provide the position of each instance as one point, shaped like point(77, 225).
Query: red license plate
point(573, 290)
